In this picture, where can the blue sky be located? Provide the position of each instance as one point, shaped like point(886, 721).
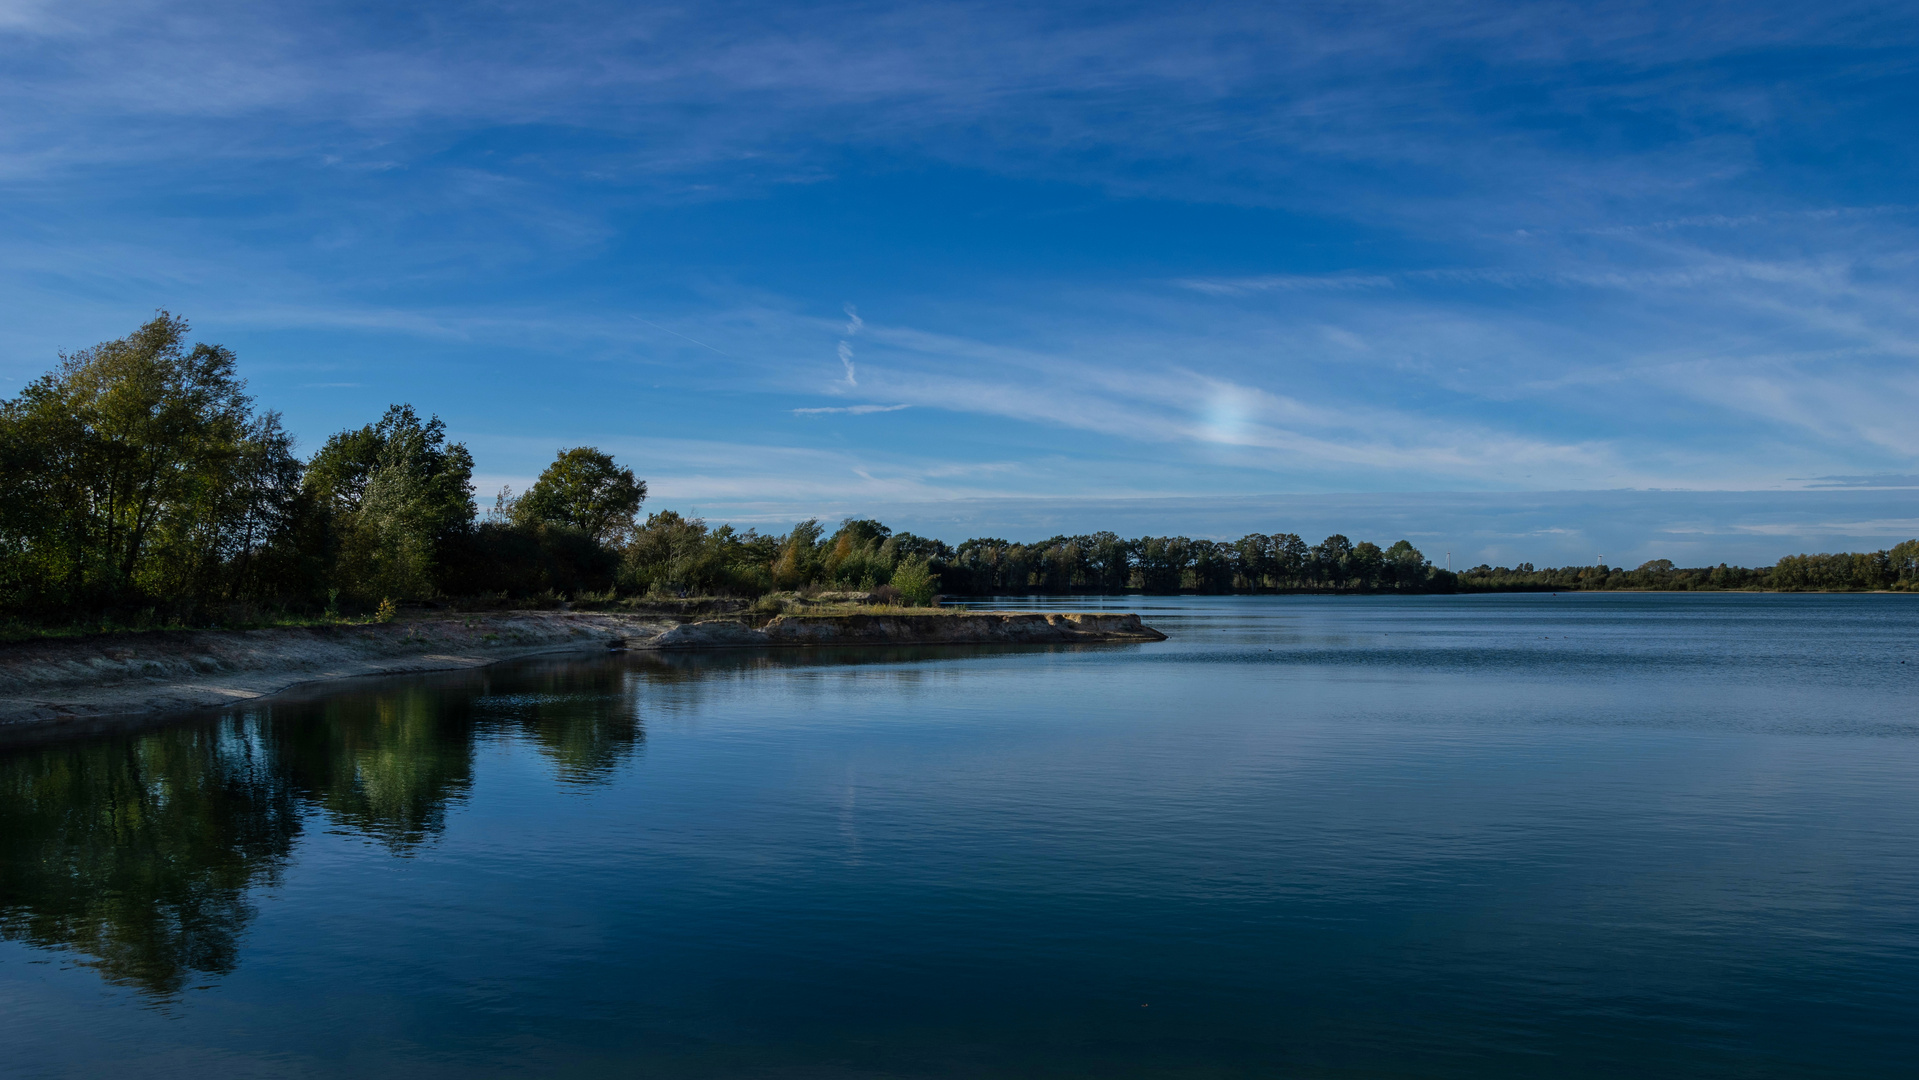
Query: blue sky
point(1448, 271)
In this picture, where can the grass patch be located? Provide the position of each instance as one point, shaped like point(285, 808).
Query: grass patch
point(867, 609)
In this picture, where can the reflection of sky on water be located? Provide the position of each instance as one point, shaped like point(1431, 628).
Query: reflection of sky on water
point(1424, 836)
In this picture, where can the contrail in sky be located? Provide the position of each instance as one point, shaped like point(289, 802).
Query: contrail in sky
point(681, 336)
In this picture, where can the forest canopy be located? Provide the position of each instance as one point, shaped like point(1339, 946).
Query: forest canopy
point(141, 483)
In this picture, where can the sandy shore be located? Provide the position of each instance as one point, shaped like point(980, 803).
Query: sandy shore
point(48, 685)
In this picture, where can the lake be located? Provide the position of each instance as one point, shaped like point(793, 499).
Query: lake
point(1526, 835)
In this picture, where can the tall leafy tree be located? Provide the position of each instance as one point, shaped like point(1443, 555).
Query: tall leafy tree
point(586, 490)
point(1291, 559)
point(119, 467)
point(799, 556)
point(1406, 565)
point(1109, 561)
point(1329, 561)
point(398, 492)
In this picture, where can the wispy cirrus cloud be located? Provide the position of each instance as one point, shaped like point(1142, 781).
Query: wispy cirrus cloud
point(1139, 250)
point(850, 410)
point(1883, 480)
point(1230, 93)
point(1290, 282)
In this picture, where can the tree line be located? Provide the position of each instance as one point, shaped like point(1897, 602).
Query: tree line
point(1893, 569)
point(140, 483)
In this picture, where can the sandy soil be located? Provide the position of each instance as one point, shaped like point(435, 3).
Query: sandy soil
point(49, 685)
point(61, 682)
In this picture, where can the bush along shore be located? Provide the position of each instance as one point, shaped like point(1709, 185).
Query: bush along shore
point(141, 486)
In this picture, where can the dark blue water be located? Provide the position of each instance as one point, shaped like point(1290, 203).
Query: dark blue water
point(1648, 835)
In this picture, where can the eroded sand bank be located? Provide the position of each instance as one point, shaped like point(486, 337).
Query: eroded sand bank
point(46, 685)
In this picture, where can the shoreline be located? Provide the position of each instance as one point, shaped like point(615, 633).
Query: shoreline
point(51, 687)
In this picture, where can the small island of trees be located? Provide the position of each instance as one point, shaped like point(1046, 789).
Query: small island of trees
point(141, 486)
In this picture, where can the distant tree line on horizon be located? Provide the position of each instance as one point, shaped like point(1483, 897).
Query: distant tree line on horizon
point(1894, 569)
point(138, 483)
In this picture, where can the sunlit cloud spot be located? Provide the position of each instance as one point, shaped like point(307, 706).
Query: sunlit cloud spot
point(1226, 418)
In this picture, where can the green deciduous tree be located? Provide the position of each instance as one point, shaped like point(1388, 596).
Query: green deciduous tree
point(916, 583)
point(799, 556)
point(132, 472)
point(586, 490)
point(398, 493)
point(671, 553)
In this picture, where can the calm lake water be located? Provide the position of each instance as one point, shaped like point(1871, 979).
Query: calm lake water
point(1647, 835)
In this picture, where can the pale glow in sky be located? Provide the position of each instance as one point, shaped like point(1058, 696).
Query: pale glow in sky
point(1210, 269)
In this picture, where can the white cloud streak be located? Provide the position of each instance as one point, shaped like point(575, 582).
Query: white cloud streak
point(1291, 282)
point(850, 410)
point(1556, 303)
point(846, 359)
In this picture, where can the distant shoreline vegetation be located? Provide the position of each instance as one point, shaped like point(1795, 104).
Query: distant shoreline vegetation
point(140, 486)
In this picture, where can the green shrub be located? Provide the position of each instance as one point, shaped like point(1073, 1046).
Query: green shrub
point(916, 583)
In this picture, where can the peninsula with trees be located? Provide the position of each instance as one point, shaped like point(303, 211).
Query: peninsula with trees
point(142, 488)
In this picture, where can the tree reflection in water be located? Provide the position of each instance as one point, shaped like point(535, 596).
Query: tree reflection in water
point(141, 852)
point(385, 765)
point(582, 721)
